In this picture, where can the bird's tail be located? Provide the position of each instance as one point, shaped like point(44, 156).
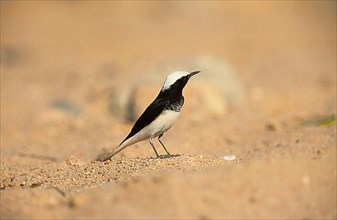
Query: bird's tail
point(106, 155)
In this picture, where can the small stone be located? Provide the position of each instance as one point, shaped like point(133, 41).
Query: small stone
point(229, 157)
point(34, 185)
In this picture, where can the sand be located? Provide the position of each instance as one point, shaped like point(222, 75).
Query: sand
point(62, 61)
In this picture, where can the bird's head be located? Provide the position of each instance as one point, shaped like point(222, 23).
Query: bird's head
point(177, 80)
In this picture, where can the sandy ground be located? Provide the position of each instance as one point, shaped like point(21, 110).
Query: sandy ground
point(62, 61)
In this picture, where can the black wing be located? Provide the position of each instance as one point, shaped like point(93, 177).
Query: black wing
point(150, 113)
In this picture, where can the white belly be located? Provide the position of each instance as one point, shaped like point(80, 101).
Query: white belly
point(163, 123)
point(159, 126)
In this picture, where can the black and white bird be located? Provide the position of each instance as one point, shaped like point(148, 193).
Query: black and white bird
point(159, 116)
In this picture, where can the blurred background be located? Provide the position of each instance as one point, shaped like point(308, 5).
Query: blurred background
point(76, 74)
point(75, 69)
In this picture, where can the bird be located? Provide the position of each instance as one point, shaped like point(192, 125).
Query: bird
point(158, 117)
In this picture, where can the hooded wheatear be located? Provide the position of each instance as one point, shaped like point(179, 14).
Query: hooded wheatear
point(159, 116)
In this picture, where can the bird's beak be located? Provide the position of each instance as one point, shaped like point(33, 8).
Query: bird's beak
point(193, 73)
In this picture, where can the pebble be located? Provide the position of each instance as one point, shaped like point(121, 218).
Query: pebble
point(229, 157)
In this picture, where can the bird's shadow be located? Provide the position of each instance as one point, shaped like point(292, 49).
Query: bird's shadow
point(167, 156)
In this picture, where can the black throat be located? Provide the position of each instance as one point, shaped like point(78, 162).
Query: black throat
point(174, 95)
point(174, 99)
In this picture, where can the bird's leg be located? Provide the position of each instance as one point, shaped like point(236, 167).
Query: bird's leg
point(153, 146)
point(168, 153)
